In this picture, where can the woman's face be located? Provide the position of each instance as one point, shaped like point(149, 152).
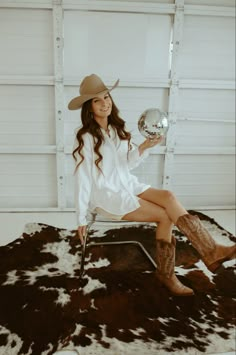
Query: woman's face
point(101, 106)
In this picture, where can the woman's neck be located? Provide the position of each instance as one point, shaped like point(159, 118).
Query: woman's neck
point(103, 124)
point(106, 129)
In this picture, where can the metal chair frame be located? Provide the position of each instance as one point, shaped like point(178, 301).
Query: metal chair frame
point(86, 245)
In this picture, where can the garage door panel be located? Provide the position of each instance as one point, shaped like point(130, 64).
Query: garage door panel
point(204, 180)
point(196, 201)
point(150, 171)
point(191, 164)
point(204, 134)
point(211, 2)
point(26, 39)
point(27, 115)
point(124, 45)
point(142, 1)
point(69, 180)
point(217, 105)
point(208, 49)
point(28, 180)
point(48, 47)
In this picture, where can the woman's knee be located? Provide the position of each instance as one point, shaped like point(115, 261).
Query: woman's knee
point(169, 196)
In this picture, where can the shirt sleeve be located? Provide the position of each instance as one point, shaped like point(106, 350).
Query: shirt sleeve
point(83, 182)
point(134, 158)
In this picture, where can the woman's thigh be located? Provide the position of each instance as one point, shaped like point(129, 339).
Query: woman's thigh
point(147, 212)
point(167, 200)
point(159, 197)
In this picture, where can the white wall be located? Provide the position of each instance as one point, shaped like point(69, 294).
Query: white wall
point(176, 56)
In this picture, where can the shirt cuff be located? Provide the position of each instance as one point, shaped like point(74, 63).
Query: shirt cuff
point(139, 158)
point(144, 155)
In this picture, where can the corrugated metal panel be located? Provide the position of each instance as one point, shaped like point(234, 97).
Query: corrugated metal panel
point(151, 171)
point(120, 44)
point(206, 118)
point(204, 134)
point(28, 180)
point(26, 42)
point(148, 1)
point(121, 6)
point(129, 40)
point(27, 115)
point(27, 111)
point(205, 180)
point(208, 49)
point(215, 105)
point(224, 3)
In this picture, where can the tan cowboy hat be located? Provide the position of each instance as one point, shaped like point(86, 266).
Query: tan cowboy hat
point(89, 88)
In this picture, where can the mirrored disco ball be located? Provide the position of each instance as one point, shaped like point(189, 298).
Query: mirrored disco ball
point(153, 122)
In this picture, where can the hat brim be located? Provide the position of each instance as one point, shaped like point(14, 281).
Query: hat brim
point(78, 101)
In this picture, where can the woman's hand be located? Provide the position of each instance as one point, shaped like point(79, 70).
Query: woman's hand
point(82, 230)
point(150, 143)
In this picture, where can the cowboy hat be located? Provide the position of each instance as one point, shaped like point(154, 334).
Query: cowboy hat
point(90, 87)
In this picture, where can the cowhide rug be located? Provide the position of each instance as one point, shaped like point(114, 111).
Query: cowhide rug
point(118, 307)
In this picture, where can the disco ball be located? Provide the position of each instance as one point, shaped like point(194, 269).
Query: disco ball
point(153, 122)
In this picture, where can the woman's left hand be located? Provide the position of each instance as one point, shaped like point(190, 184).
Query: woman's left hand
point(150, 143)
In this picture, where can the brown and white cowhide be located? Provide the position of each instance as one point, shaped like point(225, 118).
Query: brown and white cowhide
point(119, 307)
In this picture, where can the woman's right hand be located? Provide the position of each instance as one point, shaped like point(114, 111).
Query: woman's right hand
point(82, 230)
point(150, 143)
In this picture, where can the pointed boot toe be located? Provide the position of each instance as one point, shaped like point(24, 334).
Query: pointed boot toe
point(220, 254)
point(176, 287)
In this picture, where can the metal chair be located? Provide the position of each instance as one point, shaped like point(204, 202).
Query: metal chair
point(87, 244)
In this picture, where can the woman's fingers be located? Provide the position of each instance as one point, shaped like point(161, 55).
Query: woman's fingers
point(82, 230)
point(154, 141)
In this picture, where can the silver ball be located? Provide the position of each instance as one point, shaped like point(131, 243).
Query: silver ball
point(153, 122)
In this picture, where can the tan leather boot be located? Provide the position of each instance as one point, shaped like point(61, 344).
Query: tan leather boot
point(212, 254)
point(165, 259)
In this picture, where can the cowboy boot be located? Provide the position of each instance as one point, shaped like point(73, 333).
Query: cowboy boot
point(212, 254)
point(165, 259)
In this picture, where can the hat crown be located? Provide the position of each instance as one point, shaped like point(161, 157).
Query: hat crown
point(91, 85)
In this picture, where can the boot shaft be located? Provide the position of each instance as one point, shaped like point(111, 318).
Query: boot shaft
point(165, 260)
point(165, 257)
point(198, 235)
point(212, 254)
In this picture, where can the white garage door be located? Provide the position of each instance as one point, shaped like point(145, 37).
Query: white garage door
point(175, 56)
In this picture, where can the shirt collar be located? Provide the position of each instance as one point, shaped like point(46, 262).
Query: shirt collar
point(112, 132)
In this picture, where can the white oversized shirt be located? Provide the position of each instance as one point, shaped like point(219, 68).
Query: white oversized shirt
point(114, 189)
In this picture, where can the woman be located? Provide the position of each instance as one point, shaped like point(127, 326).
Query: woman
point(104, 156)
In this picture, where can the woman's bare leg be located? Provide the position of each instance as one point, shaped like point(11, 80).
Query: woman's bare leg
point(212, 253)
point(165, 199)
point(165, 253)
point(150, 212)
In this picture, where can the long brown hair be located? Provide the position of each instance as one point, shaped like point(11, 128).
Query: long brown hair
point(91, 126)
